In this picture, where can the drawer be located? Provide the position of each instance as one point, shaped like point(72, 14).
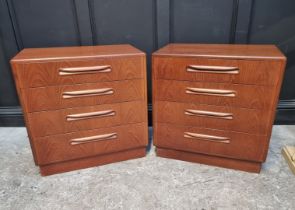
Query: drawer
point(212, 142)
point(89, 143)
point(257, 72)
point(216, 117)
point(59, 97)
point(41, 74)
point(223, 94)
point(86, 118)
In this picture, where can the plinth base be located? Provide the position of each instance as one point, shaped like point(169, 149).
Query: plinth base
point(248, 166)
point(61, 167)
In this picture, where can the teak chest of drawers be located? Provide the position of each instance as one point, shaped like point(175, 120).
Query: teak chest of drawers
point(215, 104)
point(83, 106)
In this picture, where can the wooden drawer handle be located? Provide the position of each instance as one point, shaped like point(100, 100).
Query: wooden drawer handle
point(213, 69)
point(205, 137)
point(210, 92)
point(85, 70)
point(89, 139)
point(83, 93)
point(221, 115)
point(83, 116)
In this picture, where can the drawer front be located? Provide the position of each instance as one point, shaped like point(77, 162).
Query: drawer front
point(245, 96)
point(86, 118)
point(89, 143)
point(216, 117)
point(59, 97)
point(217, 70)
point(79, 71)
point(212, 142)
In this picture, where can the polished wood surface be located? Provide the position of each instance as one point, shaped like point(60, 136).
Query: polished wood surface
point(58, 121)
point(226, 51)
point(242, 120)
point(83, 106)
point(98, 160)
point(44, 73)
point(71, 53)
point(210, 141)
point(215, 104)
point(222, 94)
point(230, 163)
point(255, 72)
point(51, 149)
point(59, 97)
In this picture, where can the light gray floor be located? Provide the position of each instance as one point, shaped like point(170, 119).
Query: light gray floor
point(146, 183)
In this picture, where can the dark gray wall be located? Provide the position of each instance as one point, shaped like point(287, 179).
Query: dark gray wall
point(147, 25)
point(273, 22)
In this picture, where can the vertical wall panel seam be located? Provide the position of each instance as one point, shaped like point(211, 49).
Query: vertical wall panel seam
point(92, 22)
point(155, 25)
point(76, 22)
point(250, 21)
point(171, 23)
point(234, 20)
point(15, 26)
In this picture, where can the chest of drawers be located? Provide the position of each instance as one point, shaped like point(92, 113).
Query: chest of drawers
point(215, 104)
point(83, 106)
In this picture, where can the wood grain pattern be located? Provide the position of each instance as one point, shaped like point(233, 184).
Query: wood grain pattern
point(98, 160)
point(83, 106)
point(55, 122)
point(51, 149)
point(246, 96)
point(244, 120)
point(224, 51)
point(274, 102)
point(241, 145)
point(230, 90)
point(248, 166)
point(288, 153)
point(51, 97)
point(258, 72)
point(42, 74)
point(32, 55)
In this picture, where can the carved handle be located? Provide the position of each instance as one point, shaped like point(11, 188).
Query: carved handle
point(192, 112)
point(83, 93)
point(210, 92)
point(83, 116)
point(213, 69)
point(205, 137)
point(85, 70)
point(93, 138)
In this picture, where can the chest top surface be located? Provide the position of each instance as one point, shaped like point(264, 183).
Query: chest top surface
point(228, 51)
point(67, 53)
